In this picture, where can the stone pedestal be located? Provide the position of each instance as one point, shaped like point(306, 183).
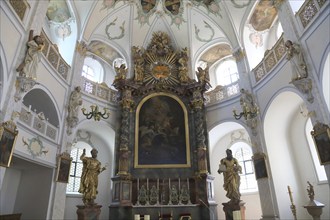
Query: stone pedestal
point(234, 211)
point(314, 208)
point(90, 212)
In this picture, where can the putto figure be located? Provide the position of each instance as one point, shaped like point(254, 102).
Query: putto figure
point(28, 68)
point(89, 177)
point(230, 168)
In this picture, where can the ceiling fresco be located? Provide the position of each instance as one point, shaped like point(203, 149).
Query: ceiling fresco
point(103, 51)
point(216, 53)
point(263, 16)
point(58, 11)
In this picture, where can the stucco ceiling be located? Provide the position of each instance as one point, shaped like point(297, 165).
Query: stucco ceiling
point(111, 27)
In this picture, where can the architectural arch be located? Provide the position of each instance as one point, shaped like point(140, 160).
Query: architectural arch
point(44, 104)
point(221, 137)
point(290, 140)
point(325, 78)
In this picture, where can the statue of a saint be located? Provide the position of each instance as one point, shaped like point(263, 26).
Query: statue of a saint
point(295, 55)
point(203, 75)
point(230, 168)
point(89, 177)
point(310, 191)
point(74, 103)
point(28, 68)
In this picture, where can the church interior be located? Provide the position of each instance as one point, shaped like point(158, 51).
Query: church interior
point(161, 90)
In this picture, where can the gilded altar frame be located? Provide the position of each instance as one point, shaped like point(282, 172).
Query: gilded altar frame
point(63, 168)
point(8, 134)
point(321, 138)
point(161, 134)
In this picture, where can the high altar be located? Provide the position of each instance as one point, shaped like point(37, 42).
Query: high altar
point(162, 157)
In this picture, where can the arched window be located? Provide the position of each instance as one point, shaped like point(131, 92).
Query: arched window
point(243, 153)
point(320, 171)
point(226, 72)
point(93, 70)
point(76, 166)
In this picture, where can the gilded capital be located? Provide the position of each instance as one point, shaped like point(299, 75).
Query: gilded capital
point(239, 54)
point(81, 48)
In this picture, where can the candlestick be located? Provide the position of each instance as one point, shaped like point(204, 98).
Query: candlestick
point(290, 194)
point(292, 206)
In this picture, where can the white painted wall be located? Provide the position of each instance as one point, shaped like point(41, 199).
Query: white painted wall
point(8, 190)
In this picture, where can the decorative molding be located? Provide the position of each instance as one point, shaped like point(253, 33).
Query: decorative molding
point(239, 54)
point(305, 86)
point(20, 7)
point(35, 146)
point(206, 26)
point(307, 12)
point(113, 23)
point(240, 5)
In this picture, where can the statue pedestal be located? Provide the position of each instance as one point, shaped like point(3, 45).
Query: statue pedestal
point(314, 208)
point(234, 211)
point(88, 212)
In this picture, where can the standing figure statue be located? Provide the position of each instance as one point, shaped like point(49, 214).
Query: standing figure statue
point(203, 75)
point(310, 191)
point(73, 108)
point(28, 68)
point(230, 168)
point(295, 55)
point(121, 72)
point(89, 177)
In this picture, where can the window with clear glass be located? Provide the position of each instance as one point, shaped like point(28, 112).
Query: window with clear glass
point(88, 72)
point(243, 153)
point(76, 167)
point(93, 70)
point(226, 72)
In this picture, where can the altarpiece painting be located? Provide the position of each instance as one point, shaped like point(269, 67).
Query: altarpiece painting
point(162, 138)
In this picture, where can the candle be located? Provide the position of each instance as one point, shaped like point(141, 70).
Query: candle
point(188, 184)
point(147, 183)
point(146, 217)
point(136, 217)
point(290, 194)
point(29, 108)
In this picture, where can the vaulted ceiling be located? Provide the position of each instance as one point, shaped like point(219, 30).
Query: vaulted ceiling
point(211, 29)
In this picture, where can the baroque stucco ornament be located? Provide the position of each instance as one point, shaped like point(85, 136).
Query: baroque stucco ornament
point(113, 23)
point(35, 146)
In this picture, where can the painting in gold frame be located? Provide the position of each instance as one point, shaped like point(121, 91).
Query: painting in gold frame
point(161, 133)
point(63, 168)
point(8, 134)
point(321, 137)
